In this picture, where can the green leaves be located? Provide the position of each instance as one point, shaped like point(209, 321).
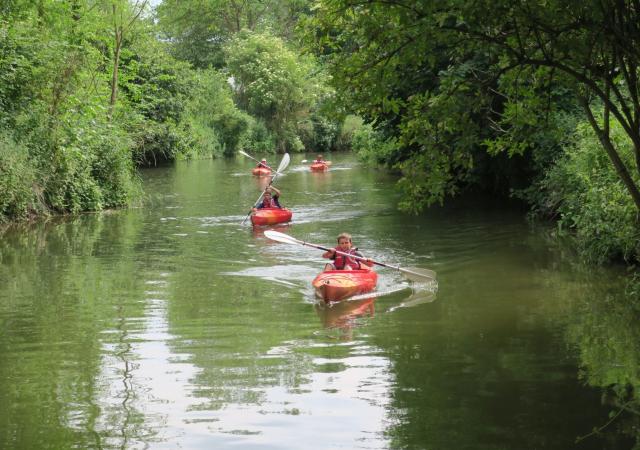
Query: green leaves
point(272, 83)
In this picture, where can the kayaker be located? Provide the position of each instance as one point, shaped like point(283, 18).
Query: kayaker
point(342, 262)
point(263, 163)
point(270, 199)
point(319, 160)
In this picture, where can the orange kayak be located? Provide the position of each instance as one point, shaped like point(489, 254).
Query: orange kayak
point(319, 167)
point(261, 171)
point(336, 285)
point(270, 216)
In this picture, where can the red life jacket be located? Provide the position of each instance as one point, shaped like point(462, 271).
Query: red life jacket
point(271, 203)
point(341, 261)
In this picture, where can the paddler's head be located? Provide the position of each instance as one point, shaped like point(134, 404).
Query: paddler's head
point(344, 241)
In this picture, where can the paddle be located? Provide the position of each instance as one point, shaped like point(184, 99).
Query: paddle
point(412, 273)
point(260, 162)
point(283, 165)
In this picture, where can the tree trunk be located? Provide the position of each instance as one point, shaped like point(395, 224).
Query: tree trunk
point(114, 77)
point(621, 169)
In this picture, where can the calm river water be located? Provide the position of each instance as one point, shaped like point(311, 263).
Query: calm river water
point(170, 325)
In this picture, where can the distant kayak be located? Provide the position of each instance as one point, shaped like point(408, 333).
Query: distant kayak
point(336, 285)
point(270, 216)
point(261, 171)
point(319, 167)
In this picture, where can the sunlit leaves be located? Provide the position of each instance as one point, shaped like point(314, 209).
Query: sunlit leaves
point(272, 83)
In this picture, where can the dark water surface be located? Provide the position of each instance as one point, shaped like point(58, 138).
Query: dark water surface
point(171, 326)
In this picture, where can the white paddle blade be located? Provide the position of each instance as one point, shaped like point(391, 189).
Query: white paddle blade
point(281, 237)
point(284, 163)
point(417, 274)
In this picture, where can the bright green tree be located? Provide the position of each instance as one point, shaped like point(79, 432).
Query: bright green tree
point(199, 29)
point(272, 83)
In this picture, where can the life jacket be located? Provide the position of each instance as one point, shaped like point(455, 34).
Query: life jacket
point(341, 261)
point(271, 203)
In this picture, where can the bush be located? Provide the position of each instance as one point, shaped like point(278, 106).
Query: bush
point(371, 146)
point(17, 178)
point(585, 190)
point(219, 127)
point(259, 139)
point(350, 126)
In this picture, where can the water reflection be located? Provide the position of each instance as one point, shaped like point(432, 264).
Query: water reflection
point(173, 326)
point(604, 326)
point(419, 297)
point(258, 231)
point(346, 315)
point(262, 183)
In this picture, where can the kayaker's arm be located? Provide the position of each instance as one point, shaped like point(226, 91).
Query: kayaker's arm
point(329, 254)
point(274, 190)
point(365, 263)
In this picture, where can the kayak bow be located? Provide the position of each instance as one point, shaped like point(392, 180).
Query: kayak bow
point(270, 216)
point(336, 285)
point(319, 167)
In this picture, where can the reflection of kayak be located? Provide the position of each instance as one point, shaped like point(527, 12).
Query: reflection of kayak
point(261, 171)
point(319, 167)
point(258, 232)
point(336, 285)
point(344, 314)
point(270, 216)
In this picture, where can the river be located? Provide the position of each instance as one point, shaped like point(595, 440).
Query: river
point(170, 325)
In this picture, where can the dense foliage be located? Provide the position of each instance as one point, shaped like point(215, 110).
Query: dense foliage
point(61, 149)
point(489, 94)
point(273, 84)
point(455, 96)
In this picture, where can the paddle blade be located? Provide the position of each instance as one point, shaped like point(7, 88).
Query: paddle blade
point(417, 274)
point(245, 154)
point(284, 163)
point(281, 237)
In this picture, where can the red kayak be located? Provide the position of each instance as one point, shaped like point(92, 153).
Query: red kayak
point(261, 171)
point(336, 285)
point(270, 216)
point(319, 167)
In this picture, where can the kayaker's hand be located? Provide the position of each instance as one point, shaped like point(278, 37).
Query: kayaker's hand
point(368, 262)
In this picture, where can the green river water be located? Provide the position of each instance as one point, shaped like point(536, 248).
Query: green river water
point(170, 325)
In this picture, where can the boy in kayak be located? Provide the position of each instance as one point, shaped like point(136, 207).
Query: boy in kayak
point(319, 160)
point(263, 163)
point(270, 199)
point(342, 262)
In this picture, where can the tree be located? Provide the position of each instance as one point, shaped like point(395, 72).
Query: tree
point(400, 62)
point(123, 17)
point(272, 83)
point(199, 29)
